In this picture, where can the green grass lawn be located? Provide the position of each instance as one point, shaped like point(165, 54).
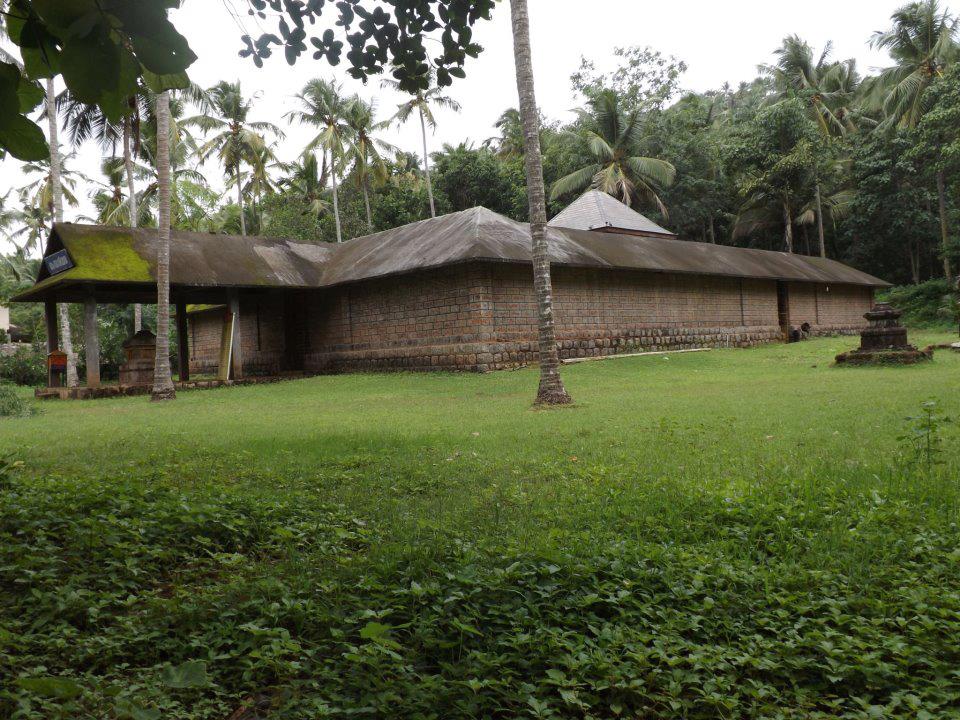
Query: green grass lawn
point(725, 534)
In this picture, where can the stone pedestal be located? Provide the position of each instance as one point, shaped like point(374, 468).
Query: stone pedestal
point(884, 341)
point(141, 353)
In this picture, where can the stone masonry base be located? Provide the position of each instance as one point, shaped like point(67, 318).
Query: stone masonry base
point(485, 357)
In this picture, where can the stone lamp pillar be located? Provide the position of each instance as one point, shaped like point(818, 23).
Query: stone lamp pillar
point(883, 341)
point(141, 354)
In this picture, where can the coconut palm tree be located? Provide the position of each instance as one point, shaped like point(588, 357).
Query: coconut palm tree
point(32, 229)
point(258, 182)
point(112, 205)
point(922, 42)
point(423, 103)
point(369, 165)
point(829, 88)
point(8, 216)
point(85, 122)
point(191, 197)
point(829, 91)
point(510, 141)
point(112, 208)
point(612, 136)
point(163, 388)
point(56, 200)
point(551, 390)
point(38, 192)
point(237, 139)
point(323, 106)
point(306, 179)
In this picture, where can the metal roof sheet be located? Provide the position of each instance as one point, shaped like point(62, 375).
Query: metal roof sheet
point(595, 210)
point(121, 255)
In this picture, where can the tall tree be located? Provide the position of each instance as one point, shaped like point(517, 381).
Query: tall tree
point(192, 200)
point(366, 149)
point(612, 138)
point(423, 102)
point(828, 89)
point(163, 388)
point(237, 139)
point(306, 179)
point(323, 106)
point(83, 122)
point(922, 43)
point(551, 390)
point(773, 159)
point(937, 149)
point(56, 189)
point(510, 141)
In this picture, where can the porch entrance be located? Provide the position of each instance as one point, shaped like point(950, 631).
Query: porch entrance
point(783, 309)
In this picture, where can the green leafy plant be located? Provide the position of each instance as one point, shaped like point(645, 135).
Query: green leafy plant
point(11, 404)
point(8, 466)
point(931, 304)
point(923, 439)
point(27, 366)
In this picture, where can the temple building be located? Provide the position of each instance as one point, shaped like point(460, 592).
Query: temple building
point(453, 292)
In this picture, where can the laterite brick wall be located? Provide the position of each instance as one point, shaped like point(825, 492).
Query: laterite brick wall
point(425, 321)
point(830, 309)
point(261, 336)
point(483, 316)
point(605, 312)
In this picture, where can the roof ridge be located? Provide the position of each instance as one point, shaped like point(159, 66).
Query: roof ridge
point(600, 211)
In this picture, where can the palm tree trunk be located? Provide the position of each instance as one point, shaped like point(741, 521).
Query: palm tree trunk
point(551, 391)
point(162, 378)
point(823, 244)
point(426, 163)
point(366, 203)
point(944, 229)
point(913, 251)
point(787, 226)
point(56, 187)
point(243, 220)
point(336, 203)
point(713, 231)
point(132, 200)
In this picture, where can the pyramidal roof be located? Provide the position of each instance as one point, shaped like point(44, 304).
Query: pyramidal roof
point(595, 210)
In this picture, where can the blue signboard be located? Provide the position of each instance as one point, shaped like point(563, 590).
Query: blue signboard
point(58, 262)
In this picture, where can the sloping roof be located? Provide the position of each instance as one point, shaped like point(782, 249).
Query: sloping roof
point(595, 210)
point(123, 256)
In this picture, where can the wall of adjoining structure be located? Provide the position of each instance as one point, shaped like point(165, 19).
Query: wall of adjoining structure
point(606, 312)
point(483, 316)
point(425, 321)
point(829, 309)
point(261, 336)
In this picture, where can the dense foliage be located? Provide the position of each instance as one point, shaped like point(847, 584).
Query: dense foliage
point(27, 365)
point(929, 304)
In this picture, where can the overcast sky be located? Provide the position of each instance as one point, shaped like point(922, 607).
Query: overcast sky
point(721, 42)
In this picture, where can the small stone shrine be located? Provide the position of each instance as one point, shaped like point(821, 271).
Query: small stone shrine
point(141, 352)
point(884, 341)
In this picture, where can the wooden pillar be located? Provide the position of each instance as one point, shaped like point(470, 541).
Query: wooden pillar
point(236, 359)
point(91, 340)
point(183, 343)
point(53, 337)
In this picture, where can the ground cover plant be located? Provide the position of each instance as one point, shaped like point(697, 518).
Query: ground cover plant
point(748, 533)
